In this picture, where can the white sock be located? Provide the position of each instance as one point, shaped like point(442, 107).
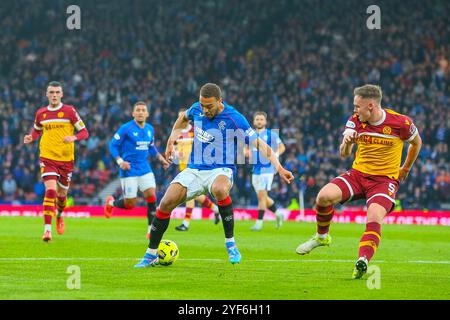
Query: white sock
point(259, 223)
point(322, 236)
point(149, 228)
point(153, 252)
point(186, 223)
point(215, 208)
point(48, 227)
point(278, 213)
point(229, 240)
point(111, 203)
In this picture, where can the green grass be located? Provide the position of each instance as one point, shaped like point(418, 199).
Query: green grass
point(106, 250)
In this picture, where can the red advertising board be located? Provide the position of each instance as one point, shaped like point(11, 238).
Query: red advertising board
point(345, 216)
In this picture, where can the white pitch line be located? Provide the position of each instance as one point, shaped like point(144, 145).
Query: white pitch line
point(221, 260)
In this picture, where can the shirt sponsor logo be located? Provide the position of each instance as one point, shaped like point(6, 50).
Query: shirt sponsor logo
point(375, 140)
point(60, 114)
point(203, 136)
point(142, 145)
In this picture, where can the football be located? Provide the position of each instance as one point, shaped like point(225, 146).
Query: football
point(168, 252)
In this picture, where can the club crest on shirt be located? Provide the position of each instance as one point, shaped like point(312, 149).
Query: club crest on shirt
point(60, 114)
point(222, 125)
point(387, 130)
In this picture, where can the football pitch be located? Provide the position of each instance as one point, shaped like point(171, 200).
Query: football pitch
point(413, 262)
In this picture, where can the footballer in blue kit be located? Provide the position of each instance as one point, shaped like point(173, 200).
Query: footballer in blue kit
point(219, 131)
point(263, 170)
point(130, 147)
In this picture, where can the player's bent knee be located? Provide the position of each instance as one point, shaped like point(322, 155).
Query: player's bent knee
point(329, 196)
point(376, 213)
point(220, 192)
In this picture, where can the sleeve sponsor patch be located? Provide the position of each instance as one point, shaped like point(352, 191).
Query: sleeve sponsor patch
point(350, 124)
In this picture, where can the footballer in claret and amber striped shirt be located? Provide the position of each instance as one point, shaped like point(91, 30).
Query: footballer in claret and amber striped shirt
point(380, 144)
point(376, 171)
point(56, 125)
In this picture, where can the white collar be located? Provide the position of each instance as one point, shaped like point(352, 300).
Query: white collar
point(383, 117)
point(56, 108)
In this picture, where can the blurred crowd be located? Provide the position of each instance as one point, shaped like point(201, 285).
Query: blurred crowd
point(297, 60)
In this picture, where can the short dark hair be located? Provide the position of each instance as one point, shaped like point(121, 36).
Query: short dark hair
point(210, 90)
point(369, 91)
point(260, 113)
point(139, 103)
point(55, 84)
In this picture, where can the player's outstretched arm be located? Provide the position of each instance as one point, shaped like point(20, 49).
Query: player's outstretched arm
point(179, 124)
point(346, 147)
point(413, 151)
point(268, 152)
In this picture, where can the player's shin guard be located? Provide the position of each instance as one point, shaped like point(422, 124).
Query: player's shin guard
point(159, 226)
point(370, 240)
point(188, 214)
point(61, 204)
point(273, 208)
point(226, 213)
point(151, 209)
point(261, 214)
point(120, 203)
point(324, 215)
point(207, 203)
point(49, 207)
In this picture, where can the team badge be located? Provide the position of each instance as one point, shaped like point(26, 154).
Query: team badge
point(387, 130)
point(60, 114)
point(44, 116)
point(363, 125)
point(222, 125)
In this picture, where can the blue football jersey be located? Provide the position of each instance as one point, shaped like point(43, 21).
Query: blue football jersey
point(216, 140)
point(260, 163)
point(133, 144)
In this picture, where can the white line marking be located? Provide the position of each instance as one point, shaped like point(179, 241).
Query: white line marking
point(221, 260)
